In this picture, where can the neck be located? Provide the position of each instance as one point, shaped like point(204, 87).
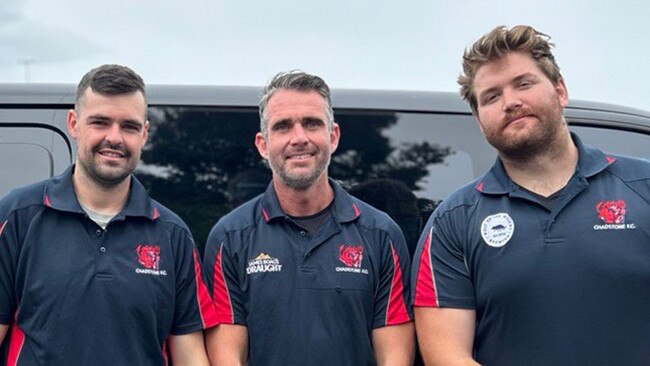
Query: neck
point(106, 200)
point(304, 202)
point(547, 172)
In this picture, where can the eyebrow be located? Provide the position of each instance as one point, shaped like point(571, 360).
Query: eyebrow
point(101, 117)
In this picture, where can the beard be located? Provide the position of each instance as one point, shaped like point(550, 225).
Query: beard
point(300, 181)
point(538, 139)
point(107, 176)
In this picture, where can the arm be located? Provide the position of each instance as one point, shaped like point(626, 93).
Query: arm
point(394, 345)
point(3, 332)
point(188, 349)
point(227, 345)
point(446, 336)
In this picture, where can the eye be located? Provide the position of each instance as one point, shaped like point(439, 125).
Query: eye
point(281, 126)
point(525, 84)
point(490, 98)
point(131, 128)
point(313, 124)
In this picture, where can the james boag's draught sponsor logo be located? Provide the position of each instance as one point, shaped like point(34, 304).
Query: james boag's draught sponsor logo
point(263, 263)
point(612, 214)
point(149, 258)
point(351, 256)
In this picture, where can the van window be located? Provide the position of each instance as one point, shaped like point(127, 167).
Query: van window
point(30, 154)
point(201, 161)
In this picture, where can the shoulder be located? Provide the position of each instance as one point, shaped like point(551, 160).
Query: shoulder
point(29, 196)
point(243, 217)
point(630, 169)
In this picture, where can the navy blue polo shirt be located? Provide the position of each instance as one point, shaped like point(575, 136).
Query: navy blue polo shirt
point(309, 300)
point(570, 286)
point(75, 294)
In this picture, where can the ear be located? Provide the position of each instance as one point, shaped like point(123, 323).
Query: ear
point(72, 124)
point(260, 143)
point(562, 92)
point(145, 133)
point(335, 135)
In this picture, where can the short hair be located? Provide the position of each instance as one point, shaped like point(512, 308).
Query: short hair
point(109, 80)
point(496, 44)
point(296, 80)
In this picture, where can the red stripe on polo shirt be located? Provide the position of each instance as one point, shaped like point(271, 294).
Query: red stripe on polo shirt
point(221, 297)
point(425, 287)
point(2, 227)
point(16, 343)
point(357, 212)
point(47, 202)
point(206, 308)
point(164, 352)
point(397, 313)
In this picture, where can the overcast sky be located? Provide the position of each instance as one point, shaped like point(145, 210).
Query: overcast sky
point(603, 47)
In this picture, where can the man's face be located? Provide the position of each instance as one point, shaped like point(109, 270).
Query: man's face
point(110, 131)
point(299, 145)
point(519, 108)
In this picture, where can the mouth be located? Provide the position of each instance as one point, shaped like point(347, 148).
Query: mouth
point(299, 157)
point(112, 154)
point(518, 118)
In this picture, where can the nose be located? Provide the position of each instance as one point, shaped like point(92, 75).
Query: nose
point(511, 101)
point(298, 135)
point(114, 135)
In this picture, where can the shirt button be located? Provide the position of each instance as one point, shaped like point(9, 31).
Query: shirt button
point(303, 233)
point(102, 249)
point(339, 290)
point(309, 254)
point(98, 232)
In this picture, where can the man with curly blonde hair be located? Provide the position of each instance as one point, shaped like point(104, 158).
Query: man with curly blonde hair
point(542, 260)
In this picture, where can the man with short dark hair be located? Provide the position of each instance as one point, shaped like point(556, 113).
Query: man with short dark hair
point(306, 274)
point(92, 270)
point(544, 259)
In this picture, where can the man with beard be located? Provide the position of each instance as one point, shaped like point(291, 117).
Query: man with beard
point(92, 270)
point(544, 259)
point(306, 274)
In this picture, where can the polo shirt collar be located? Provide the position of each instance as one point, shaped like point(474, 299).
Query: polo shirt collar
point(344, 209)
point(60, 195)
point(591, 161)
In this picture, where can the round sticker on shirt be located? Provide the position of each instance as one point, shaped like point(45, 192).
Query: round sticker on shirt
point(497, 229)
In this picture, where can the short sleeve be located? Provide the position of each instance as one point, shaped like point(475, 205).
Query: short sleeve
point(9, 252)
point(194, 310)
point(223, 278)
point(440, 274)
point(392, 305)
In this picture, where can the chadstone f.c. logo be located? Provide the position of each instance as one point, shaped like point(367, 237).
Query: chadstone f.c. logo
point(611, 212)
point(149, 258)
point(350, 255)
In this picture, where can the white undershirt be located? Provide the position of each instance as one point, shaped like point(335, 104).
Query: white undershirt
point(99, 218)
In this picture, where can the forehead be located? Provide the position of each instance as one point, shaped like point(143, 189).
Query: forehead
point(132, 105)
point(504, 69)
point(292, 104)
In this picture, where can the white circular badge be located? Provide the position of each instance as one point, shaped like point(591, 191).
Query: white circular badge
point(497, 229)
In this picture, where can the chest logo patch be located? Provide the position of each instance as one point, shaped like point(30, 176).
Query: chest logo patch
point(149, 258)
point(612, 214)
point(497, 229)
point(263, 263)
point(351, 256)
